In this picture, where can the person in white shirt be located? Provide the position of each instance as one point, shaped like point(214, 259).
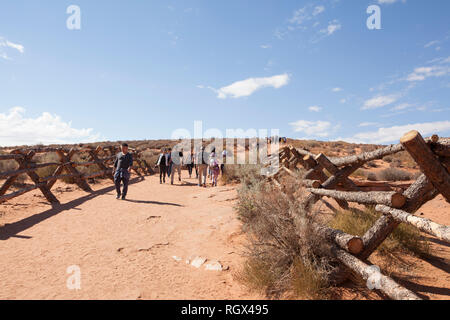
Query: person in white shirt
point(176, 159)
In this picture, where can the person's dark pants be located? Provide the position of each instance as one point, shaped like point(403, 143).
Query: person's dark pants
point(190, 167)
point(196, 171)
point(122, 175)
point(162, 173)
point(222, 168)
point(169, 170)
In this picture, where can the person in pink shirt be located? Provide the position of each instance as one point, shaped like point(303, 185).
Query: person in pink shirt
point(215, 171)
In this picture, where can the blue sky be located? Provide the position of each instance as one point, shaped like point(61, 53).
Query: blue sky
point(142, 69)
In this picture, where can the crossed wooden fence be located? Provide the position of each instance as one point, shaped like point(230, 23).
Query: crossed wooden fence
point(65, 168)
point(433, 158)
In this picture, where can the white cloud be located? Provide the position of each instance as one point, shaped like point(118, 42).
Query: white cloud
point(247, 87)
point(431, 43)
point(333, 26)
point(299, 16)
point(379, 101)
point(16, 129)
point(318, 10)
point(266, 46)
point(390, 1)
point(368, 124)
point(312, 128)
point(315, 109)
point(4, 43)
point(343, 100)
point(401, 106)
point(3, 55)
point(336, 89)
point(16, 46)
point(393, 134)
point(423, 73)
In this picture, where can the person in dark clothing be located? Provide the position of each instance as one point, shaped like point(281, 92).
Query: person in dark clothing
point(121, 171)
point(169, 168)
point(163, 163)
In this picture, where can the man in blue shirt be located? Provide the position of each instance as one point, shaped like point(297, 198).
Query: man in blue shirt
point(121, 171)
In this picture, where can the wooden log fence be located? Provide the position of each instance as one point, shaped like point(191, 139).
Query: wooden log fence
point(66, 168)
point(325, 176)
point(330, 177)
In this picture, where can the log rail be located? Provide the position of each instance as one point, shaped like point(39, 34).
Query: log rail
point(432, 156)
point(102, 157)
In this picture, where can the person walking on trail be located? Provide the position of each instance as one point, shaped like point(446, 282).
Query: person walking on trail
point(212, 155)
point(177, 162)
point(215, 170)
point(169, 168)
point(189, 161)
point(202, 163)
point(121, 171)
point(163, 164)
point(224, 160)
point(195, 161)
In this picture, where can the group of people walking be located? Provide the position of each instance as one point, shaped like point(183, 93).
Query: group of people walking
point(205, 164)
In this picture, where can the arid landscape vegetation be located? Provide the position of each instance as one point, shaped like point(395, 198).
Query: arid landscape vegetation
point(241, 240)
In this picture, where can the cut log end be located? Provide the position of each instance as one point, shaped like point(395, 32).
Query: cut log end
point(316, 184)
point(410, 136)
point(398, 200)
point(355, 246)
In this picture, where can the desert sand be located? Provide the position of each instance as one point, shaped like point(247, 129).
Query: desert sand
point(143, 248)
point(134, 249)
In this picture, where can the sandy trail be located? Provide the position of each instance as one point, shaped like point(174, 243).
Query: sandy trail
point(124, 249)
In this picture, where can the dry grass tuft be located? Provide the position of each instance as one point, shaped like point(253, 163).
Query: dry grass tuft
point(393, 174)
point(284, 259)
point(405, 238)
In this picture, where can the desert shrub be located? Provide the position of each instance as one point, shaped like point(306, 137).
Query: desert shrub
point(283, 258)
point(372, 176)
point(367, 148)
point(372, 164)
point(247, 174)
point(403, 159)
point(8, 165)
point(416, 175)
point(393, 174)
point(52, 157)
point(359, 174)
point(388, 159)
point(309, 280)
point(395, 163)
point(405, 238)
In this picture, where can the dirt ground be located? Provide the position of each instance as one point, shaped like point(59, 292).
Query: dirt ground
point(143, 248)
point(125, 249)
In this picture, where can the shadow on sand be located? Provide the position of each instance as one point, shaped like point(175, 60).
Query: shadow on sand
point(13, 229)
